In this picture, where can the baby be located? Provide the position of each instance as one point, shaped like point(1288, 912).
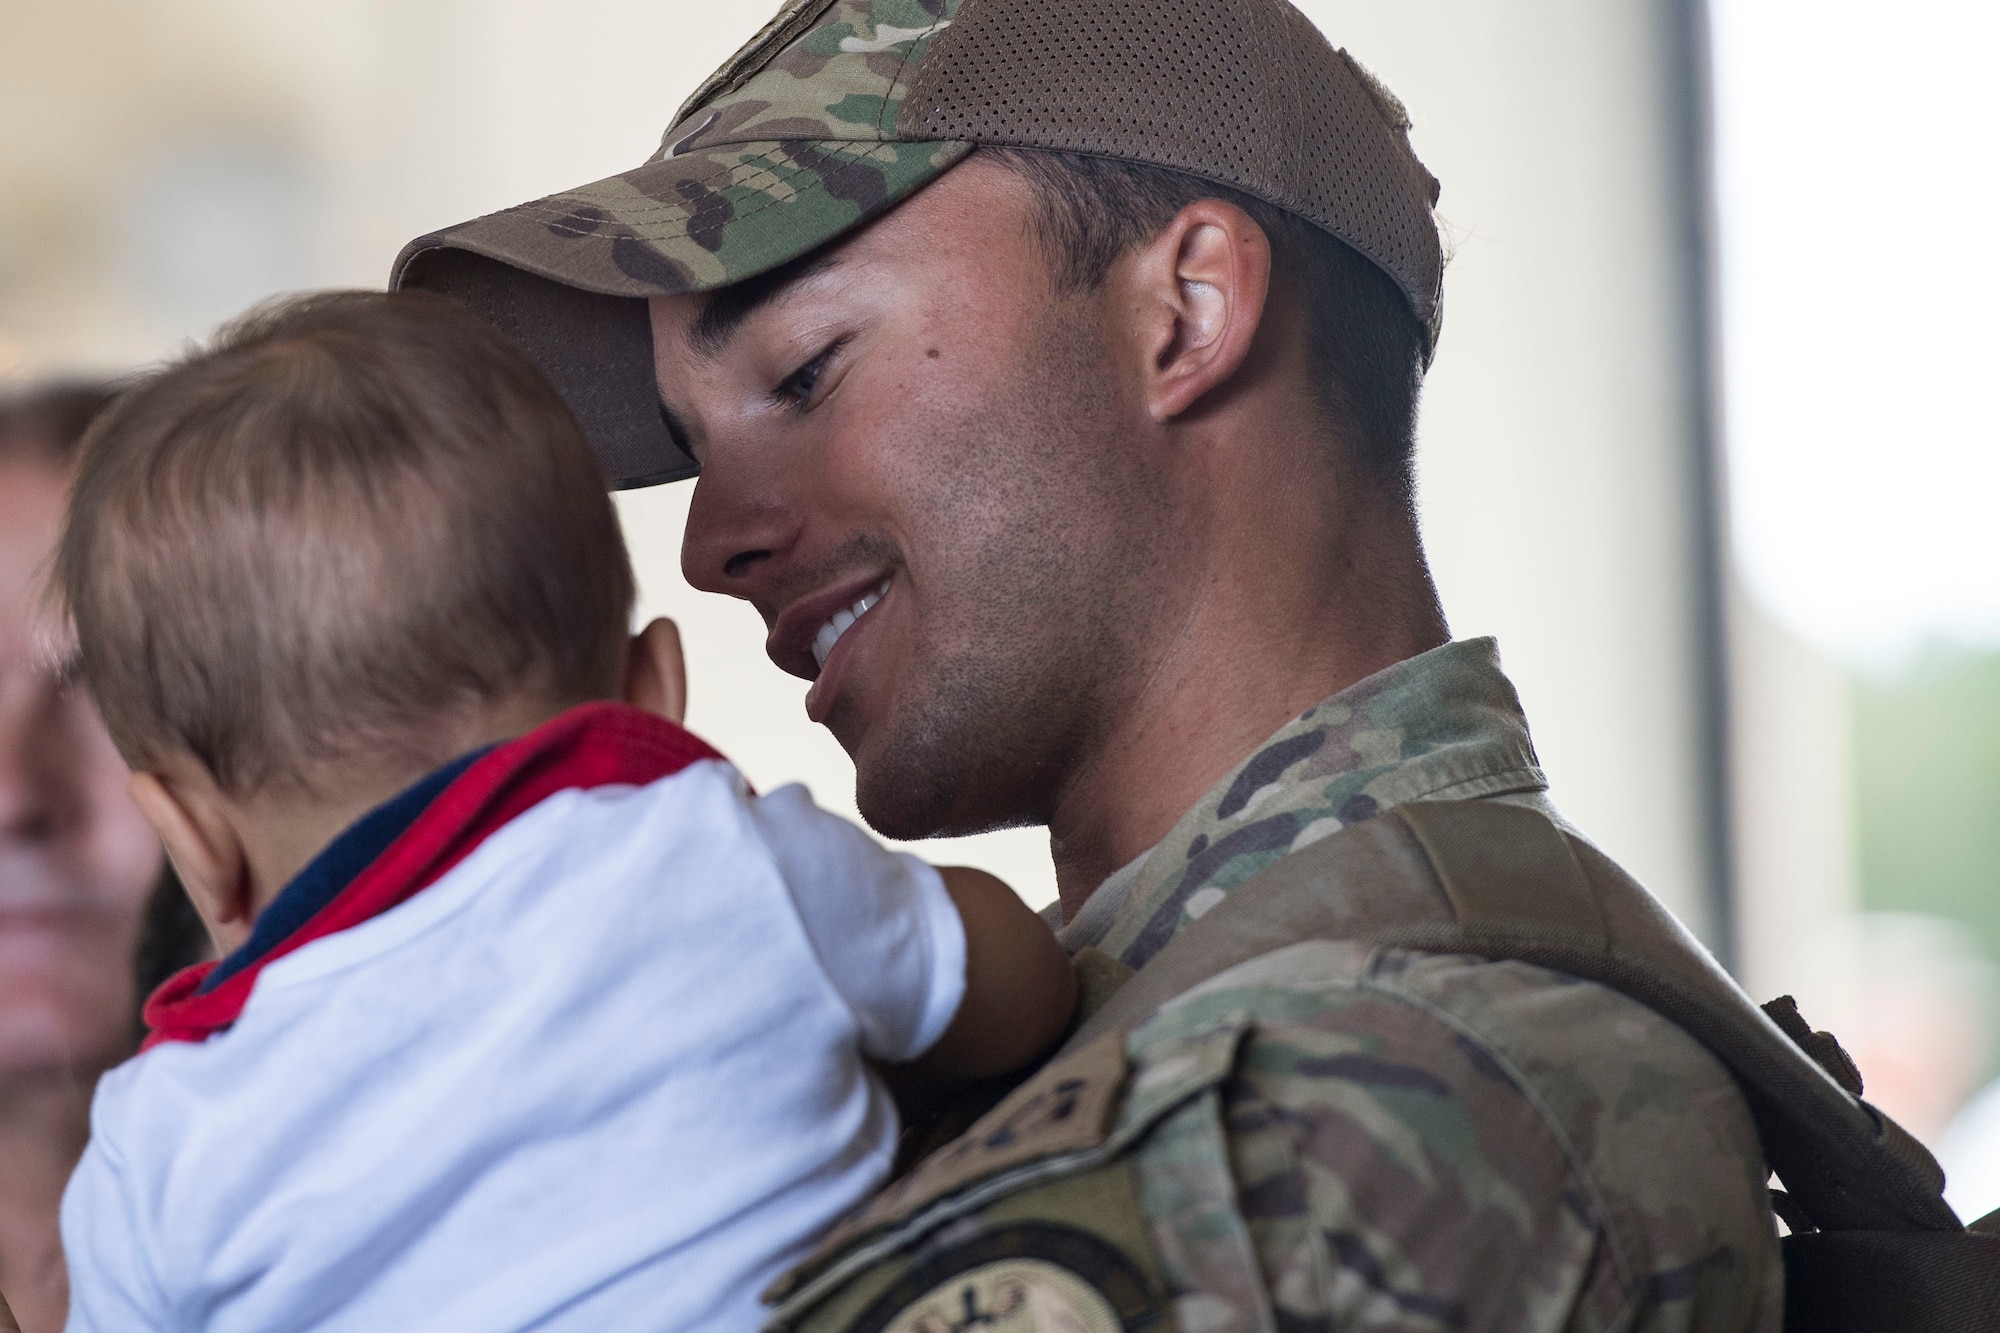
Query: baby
point(529, 1012)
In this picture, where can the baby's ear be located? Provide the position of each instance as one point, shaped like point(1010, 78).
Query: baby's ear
point(191, 817)
point(656, 672)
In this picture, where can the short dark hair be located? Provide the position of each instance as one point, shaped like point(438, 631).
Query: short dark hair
point(1367, 344)
point(352, 516)
point(45, 422)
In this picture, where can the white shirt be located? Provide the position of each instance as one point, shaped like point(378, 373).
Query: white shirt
point(607, 1073)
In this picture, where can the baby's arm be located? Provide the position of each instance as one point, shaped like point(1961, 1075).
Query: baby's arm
point(1020, 989)
point(889, 942)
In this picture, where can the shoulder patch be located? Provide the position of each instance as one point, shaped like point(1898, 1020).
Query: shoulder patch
point(1066, 1108)
point(1072, 1119)
point(1030, 1278)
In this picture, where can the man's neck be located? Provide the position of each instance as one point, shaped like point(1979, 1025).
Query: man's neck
point(1255, 647)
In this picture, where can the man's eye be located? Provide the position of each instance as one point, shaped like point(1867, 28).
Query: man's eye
point(797, 388)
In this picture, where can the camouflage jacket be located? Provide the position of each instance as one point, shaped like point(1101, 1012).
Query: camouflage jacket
point(1341, 1136)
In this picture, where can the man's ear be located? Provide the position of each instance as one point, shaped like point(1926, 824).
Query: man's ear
point(656, 672)
point(1198, 290)
point(192, 818)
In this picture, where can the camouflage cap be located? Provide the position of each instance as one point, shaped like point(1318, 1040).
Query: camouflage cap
point(838, 109)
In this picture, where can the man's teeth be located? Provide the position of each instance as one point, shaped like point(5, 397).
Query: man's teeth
point(829, 633)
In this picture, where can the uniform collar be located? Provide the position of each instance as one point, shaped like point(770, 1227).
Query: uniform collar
point(1443, 725)
point(411, 841)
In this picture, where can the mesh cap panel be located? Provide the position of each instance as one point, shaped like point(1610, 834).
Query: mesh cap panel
point(1228, 90)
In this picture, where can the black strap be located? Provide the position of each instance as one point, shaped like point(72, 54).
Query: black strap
point(1905, 1281)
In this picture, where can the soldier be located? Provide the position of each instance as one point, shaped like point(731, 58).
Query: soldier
point(1088, 334)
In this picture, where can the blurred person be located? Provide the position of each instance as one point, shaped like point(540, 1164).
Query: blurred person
point(532, 1014)
point(77, 864)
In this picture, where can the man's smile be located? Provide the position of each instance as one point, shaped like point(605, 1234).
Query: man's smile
point(833, 645)
point(842, 621)
point(810, 637)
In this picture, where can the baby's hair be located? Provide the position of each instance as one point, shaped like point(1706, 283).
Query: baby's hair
point(350, 519)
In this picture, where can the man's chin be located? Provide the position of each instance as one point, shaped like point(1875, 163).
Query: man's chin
point(899, 799)
point(894, 815)
point(905, 804)
point(958, 761)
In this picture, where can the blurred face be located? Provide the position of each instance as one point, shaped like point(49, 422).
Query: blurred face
point(76, 859)
point(920, 466)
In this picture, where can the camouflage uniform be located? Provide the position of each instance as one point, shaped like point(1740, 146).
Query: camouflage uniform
point(1341, 1136)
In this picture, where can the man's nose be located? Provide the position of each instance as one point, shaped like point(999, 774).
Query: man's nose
point(740, 530)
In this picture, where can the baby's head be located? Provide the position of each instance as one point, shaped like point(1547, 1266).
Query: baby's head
point(354, 537)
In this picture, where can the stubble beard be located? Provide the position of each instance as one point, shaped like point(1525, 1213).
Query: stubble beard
point(1035, 625)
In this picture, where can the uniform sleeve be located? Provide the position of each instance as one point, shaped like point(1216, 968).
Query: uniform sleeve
point(111, 1284)
point(1434, 1143)
point(887, 934)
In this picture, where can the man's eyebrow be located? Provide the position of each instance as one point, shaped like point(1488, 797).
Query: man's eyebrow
point(728, 308)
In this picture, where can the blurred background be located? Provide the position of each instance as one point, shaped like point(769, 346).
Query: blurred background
point(1711, 443)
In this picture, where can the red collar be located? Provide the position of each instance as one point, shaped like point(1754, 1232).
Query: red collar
point(594, 745)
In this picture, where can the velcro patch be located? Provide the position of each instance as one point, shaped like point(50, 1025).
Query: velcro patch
point(1031, 1277)
point(1063, 1109)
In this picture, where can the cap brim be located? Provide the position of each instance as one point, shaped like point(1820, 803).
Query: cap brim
point(568, 276)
